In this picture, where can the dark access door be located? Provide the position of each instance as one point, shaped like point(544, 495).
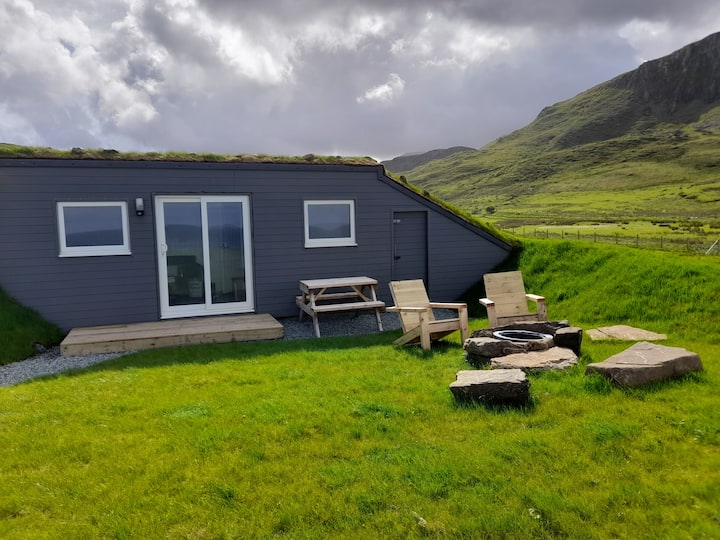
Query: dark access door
point(410, 246)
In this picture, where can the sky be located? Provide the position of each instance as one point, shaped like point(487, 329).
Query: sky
point(375, 78)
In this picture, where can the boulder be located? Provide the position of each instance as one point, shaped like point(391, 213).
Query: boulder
point(644, 362)
point(555, 359)
point(497, 386)
point(569, 337)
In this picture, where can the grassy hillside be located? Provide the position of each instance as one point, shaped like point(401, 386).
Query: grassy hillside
point(641, 146)
point(604, 284)
point(408, 162)
point(666, 174)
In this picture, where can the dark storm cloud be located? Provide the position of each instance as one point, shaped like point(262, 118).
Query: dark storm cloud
point(501, 12)
point(562, 12)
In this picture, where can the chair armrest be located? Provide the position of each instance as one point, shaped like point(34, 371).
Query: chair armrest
point(492, 314)
point(409, 309)
point(541, 305)
point(448, 305)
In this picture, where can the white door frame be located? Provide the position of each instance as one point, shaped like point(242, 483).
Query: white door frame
point(208, 307)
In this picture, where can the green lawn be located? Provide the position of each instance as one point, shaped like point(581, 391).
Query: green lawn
point(352, 437)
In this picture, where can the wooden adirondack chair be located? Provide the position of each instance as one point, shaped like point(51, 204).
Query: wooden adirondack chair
point(507, 301)
point(417, 318)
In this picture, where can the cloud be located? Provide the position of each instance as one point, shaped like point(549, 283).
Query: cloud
point(16, 128)
point(386, 92)
point(54, 73)
point(301, 76)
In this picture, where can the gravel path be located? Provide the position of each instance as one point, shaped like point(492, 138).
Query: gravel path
point(333, 324)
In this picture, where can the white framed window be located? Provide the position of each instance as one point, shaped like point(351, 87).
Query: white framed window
point(329, 223)
point(88, 229)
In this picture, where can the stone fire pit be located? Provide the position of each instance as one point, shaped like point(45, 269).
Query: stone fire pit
point(553, 345)
point(512, 351)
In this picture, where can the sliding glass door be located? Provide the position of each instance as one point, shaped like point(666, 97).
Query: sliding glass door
point(204, 255)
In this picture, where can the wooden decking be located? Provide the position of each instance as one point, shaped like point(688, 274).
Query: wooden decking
point(170, 333)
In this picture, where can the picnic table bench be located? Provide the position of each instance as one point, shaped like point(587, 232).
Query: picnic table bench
point(360, 293)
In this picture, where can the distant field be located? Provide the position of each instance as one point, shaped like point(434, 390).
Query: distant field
point(691, 235)
point(697, 201)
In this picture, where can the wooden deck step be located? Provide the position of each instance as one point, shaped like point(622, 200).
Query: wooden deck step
point(170, 333)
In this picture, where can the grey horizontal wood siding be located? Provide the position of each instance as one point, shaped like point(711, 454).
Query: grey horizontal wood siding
point(89, 291)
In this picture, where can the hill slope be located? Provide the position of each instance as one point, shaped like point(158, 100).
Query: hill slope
point(645, 144)
point(411, 161)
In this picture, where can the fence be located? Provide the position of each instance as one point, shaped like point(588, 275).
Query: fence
point(690, 243)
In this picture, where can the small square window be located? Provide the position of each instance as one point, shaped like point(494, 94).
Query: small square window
point(329, 223)
point(89, 229)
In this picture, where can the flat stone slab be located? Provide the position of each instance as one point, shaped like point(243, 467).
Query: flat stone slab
point(496, 386)
point(479, 351)
point(555, 359)
point(624, 332)
point(644, 362)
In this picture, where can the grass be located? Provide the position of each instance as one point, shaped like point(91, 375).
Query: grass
point(13, 151)
point(629, 177)
point(348, 437)
point(687, 235)
point(20, 329)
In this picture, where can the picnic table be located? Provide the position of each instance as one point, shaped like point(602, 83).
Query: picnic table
point(338, 294)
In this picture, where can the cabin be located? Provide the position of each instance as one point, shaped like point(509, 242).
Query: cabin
point(109, 240)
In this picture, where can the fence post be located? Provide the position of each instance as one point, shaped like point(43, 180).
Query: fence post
point(711, 247)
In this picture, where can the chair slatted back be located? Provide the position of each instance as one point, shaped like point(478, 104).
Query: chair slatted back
point(410, 293)
point(507, 290)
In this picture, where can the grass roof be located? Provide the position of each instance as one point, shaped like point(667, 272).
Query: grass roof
point(12, 151)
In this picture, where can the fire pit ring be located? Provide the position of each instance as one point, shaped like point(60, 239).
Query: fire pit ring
point(520, 336)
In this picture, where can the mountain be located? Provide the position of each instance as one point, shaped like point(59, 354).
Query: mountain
point(645, 144)
point(407, 162)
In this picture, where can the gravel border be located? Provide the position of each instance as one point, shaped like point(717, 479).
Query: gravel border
point(52, 362)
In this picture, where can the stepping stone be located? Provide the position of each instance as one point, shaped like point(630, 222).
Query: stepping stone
point(555, 359)
point(624, 332)
point(645, 363)
point(496, 386)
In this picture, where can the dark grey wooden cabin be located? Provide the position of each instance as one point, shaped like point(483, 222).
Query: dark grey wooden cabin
point(95, 242)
